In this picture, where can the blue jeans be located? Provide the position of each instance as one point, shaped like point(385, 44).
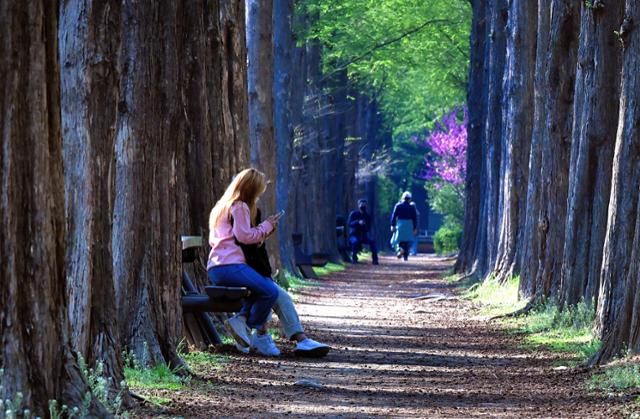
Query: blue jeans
point(286, 312)
point(356, 246)
point(264, 292)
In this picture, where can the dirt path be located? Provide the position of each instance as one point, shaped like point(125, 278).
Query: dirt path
point(397, 357)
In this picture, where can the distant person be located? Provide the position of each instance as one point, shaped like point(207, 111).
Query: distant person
point(413, 250)
point(404, 225)
point(359, 227)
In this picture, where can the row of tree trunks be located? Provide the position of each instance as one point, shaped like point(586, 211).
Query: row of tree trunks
point(566, 217)
point(36, 353)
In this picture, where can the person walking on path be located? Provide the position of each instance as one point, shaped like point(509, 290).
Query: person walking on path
point(404, 225)
point(359, 227)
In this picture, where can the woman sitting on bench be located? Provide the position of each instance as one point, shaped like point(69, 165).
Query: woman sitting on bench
point(230, 226)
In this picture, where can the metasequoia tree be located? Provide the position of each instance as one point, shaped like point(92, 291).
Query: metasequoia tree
point(517, 120)
point(475, 104)
point(596, 100)
point(549, 161)
point(35, 340)
point(494, 61)
point(89, 86)
point(263, 150)
point(285, 53)
point(618, 316)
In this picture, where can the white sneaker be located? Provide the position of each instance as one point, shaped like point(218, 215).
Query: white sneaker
point(311, 349)
point(237, 327)
point(264, 344)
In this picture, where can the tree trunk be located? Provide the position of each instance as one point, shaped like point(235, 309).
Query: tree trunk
point(517, 120)
point(149, 137)
point(490, 175)
point(476, 97)
point(548, 163)
point(617, 316)
point(260, 84)
point(594, 130)
point(89, 48)
point(284, 53)
point(35, 345)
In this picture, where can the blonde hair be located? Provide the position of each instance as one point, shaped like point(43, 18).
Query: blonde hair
point(246, 187)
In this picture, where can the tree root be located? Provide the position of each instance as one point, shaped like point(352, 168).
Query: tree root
point(524, 310)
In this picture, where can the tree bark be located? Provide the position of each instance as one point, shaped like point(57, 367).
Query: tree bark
point(284, 52)
point(617, 315)
point(89, 47)
point(495, 55)
point(594, 131)
point(260, 86)
point(476, 97)
point(149, 138)
point(548, 163)
point(517, 120)
point(35, 346)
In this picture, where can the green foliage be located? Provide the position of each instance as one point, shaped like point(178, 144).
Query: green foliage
point(413, 54)
point(448, 201)
point(328, 269)
point(447, 238)
point(617, 377)
point(388, 194)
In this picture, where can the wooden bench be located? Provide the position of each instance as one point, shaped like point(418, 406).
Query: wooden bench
point(197, 306)
point(306, 262)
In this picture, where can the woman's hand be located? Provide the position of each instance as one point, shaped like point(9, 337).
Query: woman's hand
point(274, 219)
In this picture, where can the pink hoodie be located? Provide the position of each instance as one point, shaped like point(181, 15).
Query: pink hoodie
point(224, 250)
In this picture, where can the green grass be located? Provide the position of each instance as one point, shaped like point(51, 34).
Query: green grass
point(159, 377)
point(496, 297)
point(200, 362)
point(617, 378)
point(291, 282)
point(569, 331)
point(545, 327)
point(329, 268)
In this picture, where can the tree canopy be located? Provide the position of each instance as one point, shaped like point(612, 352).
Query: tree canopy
point(411, 55)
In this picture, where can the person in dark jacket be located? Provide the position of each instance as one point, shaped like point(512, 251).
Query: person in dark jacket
point(404, 224)
point(359, 227)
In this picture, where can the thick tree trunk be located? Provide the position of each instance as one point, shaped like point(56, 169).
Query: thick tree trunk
point(284, 52)
point(548, 163)
point(495, 55)
point(35, 345)
point(149, 139)
point(618, 309)
point(596, 99)
point(517, 120)
point(89, 47)
point(476, 97)
point(260, 84)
